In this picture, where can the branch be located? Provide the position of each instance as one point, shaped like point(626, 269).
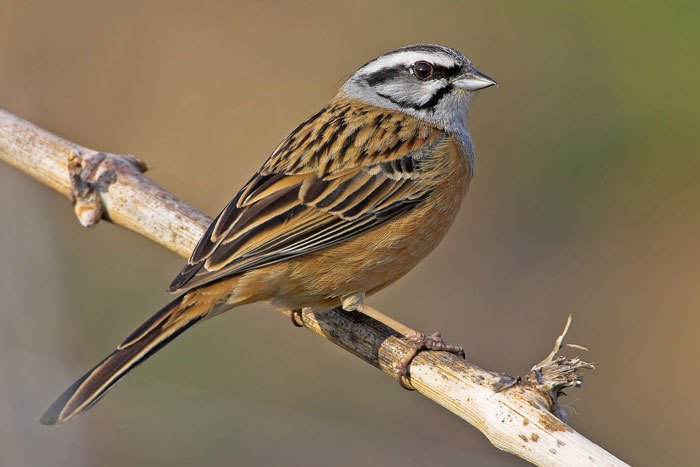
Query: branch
point(519, 415)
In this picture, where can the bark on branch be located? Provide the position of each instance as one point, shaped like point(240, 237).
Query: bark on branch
point(519, 415)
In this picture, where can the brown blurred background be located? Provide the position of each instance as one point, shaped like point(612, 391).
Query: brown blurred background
point(585, 201)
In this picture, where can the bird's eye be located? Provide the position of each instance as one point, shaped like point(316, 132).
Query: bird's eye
point(422, 70)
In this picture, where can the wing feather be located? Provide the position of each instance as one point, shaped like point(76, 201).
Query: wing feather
point(326, 183)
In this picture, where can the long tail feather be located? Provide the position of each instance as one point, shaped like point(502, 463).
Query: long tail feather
point(146, 340)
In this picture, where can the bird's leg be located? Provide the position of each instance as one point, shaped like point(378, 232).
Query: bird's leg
point(355, 302)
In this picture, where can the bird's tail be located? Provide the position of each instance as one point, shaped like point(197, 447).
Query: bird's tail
point(146, 340)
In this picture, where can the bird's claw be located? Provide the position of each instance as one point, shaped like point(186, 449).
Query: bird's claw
point(297, 319)
point(419, 342)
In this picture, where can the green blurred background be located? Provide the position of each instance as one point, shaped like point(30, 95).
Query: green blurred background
point(585, 201)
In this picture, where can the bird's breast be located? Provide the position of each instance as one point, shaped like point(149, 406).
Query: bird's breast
point(372, 261)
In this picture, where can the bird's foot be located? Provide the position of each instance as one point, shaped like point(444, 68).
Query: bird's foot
point(419, 342)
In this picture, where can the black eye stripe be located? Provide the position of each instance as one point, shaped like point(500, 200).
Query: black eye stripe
point(440, 71)
point(380, 76)
point(386, 74)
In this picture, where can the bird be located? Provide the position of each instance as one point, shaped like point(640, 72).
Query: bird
point(350, 201)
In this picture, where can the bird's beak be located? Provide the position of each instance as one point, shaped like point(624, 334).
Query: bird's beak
point(473, 80)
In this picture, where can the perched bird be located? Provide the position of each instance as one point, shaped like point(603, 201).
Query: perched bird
point(348, 203)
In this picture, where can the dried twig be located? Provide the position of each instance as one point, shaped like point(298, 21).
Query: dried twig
point(518, 415)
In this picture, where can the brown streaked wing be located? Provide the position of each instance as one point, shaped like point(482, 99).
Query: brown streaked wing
point(291, 208)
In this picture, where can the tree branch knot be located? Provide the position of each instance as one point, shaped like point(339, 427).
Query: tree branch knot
point(91, 175)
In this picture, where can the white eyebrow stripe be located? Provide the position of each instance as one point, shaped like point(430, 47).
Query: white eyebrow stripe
point(408, 58)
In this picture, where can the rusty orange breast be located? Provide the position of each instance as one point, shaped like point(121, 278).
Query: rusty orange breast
point(381, 256)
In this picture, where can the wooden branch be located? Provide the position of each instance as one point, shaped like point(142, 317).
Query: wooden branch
point(126, 197)
point(519, 415)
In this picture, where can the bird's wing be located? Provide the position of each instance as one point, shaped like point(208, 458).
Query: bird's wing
point(344, 171)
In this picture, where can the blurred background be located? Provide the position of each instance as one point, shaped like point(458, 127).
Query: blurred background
point(585, 202)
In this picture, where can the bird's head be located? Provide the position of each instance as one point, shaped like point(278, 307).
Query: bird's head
point(431, 82)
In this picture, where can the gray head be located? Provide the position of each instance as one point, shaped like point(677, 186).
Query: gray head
point(430, 82)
